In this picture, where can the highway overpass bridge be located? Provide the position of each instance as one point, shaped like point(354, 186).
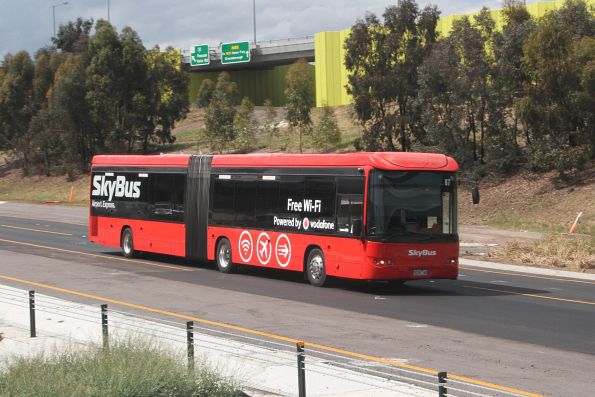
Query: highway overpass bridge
point(263, 77)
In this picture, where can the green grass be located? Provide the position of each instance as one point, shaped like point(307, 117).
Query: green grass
point(128, 369)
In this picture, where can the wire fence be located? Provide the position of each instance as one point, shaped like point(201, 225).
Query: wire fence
point(302, 357)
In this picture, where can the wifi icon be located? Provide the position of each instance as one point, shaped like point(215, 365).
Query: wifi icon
point(245, 245)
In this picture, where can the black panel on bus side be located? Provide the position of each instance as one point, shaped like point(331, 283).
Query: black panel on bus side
point(197, 206)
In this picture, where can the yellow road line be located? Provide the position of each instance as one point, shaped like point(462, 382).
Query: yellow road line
point(116, 258)
point(272, 336)
point(37, 230)
point(570, 280)
point(533, 295)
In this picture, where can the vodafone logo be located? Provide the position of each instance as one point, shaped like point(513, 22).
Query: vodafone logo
point(245, 246)
point(306, 223)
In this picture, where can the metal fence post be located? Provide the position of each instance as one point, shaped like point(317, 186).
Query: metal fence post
point(32, 314)
point(442, 390)
point(301, 366)
point(104, 328)
point(190, 344)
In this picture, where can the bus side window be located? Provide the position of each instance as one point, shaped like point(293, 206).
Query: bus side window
point(178, 196)
point(350, 198)
point(291, 195)
point(223, 198)
point(349, 212)
point(244, 203)
point(267, 202)
point(320, 193)
point(167, 197)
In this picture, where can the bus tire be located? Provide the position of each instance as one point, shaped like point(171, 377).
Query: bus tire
point(223, 256)
point(127, 243)
point(315, 268)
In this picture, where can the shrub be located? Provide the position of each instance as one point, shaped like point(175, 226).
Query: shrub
point(127, 369)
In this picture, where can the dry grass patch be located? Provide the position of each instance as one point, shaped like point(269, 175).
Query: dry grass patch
point(38, 188)
point(576, 253)
point(536, 202)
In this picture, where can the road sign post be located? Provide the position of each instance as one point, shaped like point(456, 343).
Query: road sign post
point(199, 55)
point(235, 52)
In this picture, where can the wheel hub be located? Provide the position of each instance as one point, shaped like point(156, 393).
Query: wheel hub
point(224, 256)
point(316, 267)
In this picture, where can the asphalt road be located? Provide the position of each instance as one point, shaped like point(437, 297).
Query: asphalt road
point(535, 333)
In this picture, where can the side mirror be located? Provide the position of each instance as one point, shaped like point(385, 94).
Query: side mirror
point(475, 194)
point(357, 228)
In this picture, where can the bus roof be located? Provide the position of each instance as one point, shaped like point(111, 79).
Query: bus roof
point(380, 160)
point(161, 160)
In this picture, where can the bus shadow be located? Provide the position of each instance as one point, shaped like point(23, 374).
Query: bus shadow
point(434, 288)
point(377, 288)
point(161, 259)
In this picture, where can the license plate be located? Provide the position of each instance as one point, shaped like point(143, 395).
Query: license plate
point(420, 272)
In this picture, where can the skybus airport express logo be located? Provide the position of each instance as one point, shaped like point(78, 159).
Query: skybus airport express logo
point(119, 187)
point(420, 253)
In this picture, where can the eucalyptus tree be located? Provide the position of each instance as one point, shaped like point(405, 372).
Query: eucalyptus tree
point(383, 60)
point(300, 98)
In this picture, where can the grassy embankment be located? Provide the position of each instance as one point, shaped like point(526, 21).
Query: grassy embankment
point(539, 202)
point(127, 369)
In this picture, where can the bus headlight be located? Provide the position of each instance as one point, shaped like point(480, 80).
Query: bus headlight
point(452, 261)
point(382, 262)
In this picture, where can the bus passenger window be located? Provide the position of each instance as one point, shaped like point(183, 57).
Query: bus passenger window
point(167, 196)
point(349, 212)
point(178, 196)
point(291, 195)
point(245, 197)
point(267, 201)
point(223, 202)
point(320, 194)
point(160, 194)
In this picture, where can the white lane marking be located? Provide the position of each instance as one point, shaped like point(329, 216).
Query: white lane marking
point(379, 298)
point(360, 363)
point(416, 325)
point(2, 202)
point(35, 230)
point(500, 282)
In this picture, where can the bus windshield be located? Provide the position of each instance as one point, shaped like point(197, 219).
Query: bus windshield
point(412, 206)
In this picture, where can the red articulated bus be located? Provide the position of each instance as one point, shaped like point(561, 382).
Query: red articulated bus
point(367, 216)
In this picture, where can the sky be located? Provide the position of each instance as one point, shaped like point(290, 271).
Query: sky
point(28, 24)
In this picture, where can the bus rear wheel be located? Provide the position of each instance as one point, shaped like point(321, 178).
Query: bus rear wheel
point(315, 268)
point(223, 256)
point(127, 244)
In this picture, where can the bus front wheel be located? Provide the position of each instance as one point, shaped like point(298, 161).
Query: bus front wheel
point(315, 268)
point(127, 244)
point(223, 257)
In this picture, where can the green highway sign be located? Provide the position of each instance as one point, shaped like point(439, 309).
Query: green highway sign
point(235, 52)
point(199, 55)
